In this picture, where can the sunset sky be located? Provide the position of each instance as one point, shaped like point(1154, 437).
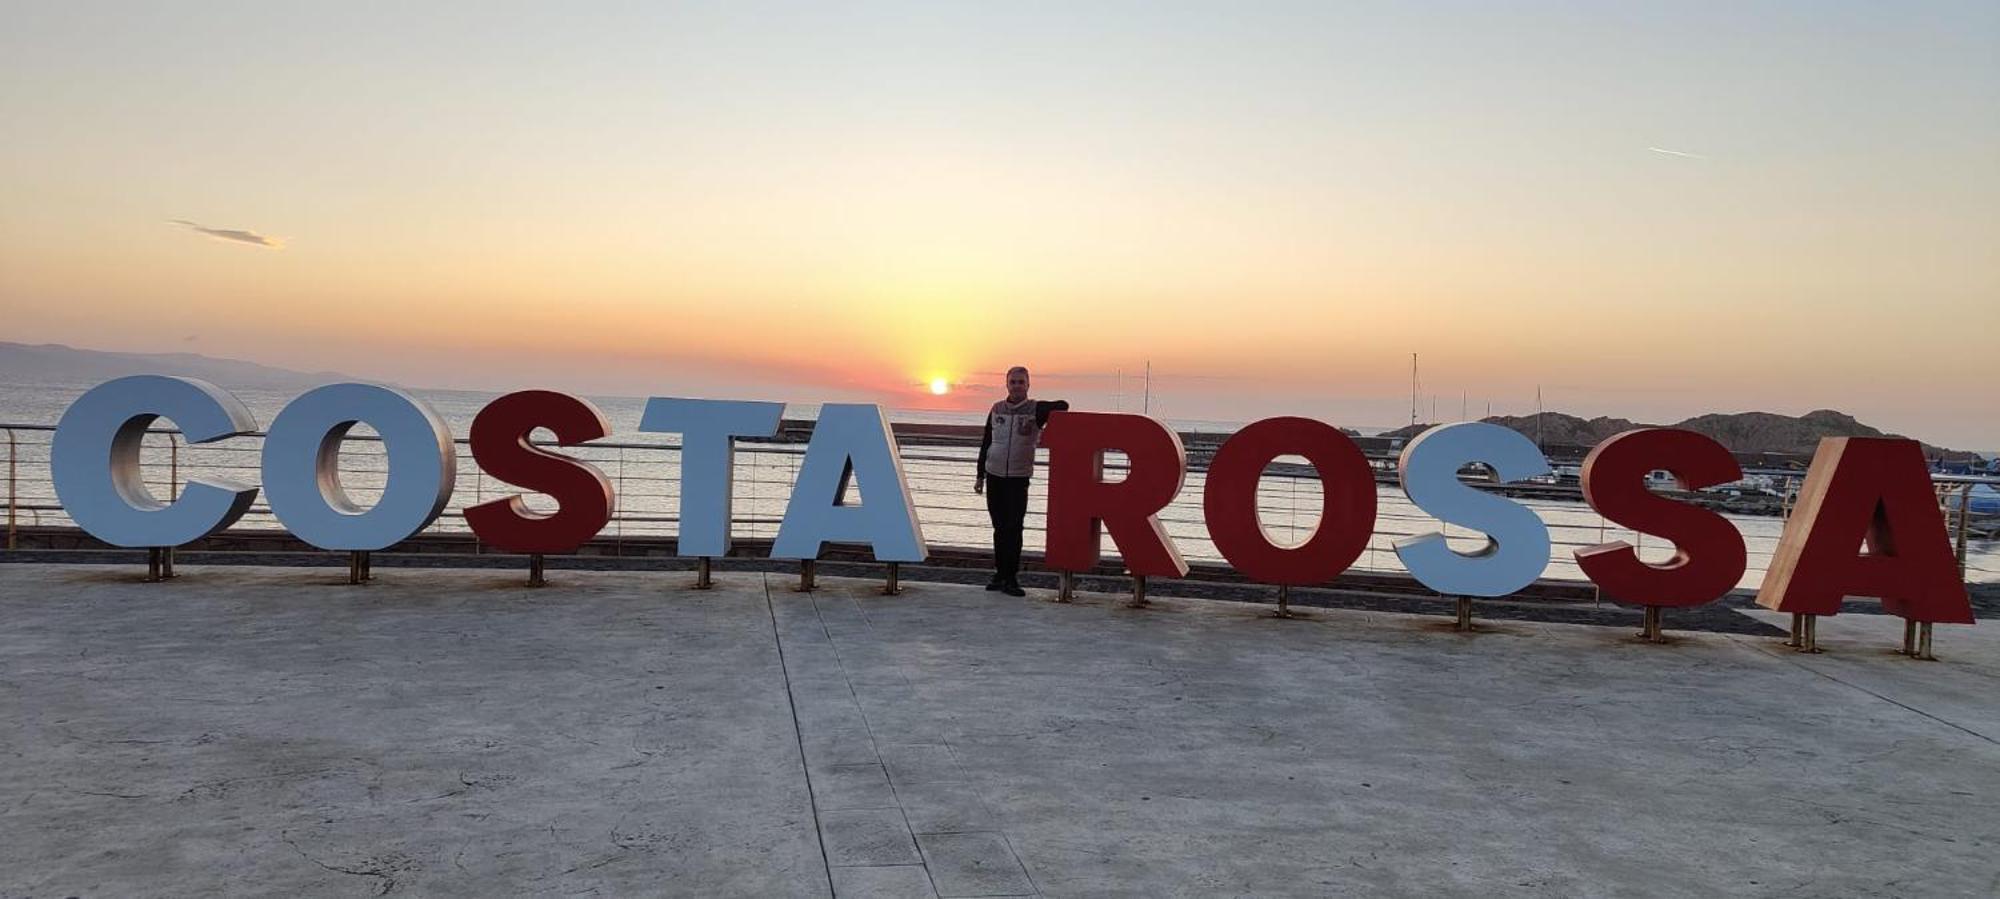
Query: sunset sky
point(1646, 213)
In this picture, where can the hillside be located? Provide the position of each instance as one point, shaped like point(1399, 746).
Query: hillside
point(51, 363)
point(1743, 432)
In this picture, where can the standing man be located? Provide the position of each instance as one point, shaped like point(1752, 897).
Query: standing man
point(1007, 459)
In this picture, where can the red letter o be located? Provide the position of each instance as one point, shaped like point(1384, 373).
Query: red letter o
point(1347, 506)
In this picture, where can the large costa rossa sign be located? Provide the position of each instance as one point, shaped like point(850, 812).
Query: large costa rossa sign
point(1866, 522)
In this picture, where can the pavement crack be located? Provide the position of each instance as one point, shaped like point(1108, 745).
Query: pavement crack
point(1783, 657)
point(388, 881)
point(226, 782)
point(792, 702)
point(112, 795)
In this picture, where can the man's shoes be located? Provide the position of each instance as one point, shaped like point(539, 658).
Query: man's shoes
point(1012, 589)
point(996, 583)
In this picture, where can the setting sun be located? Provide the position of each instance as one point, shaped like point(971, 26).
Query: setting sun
point(940, 386)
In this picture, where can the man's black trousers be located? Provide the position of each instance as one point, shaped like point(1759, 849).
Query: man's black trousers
point(1007, 505)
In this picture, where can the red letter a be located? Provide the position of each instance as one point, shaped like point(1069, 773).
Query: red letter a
point(1872, 491)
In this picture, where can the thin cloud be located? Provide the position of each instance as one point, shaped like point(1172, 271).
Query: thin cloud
point(249, 237)
point(1666, 152)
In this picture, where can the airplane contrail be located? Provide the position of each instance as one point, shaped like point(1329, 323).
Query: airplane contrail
point(1668, 152)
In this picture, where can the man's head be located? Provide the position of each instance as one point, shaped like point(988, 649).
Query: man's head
point(1017, 383)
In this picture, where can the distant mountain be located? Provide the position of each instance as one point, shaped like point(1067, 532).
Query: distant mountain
point(52, 363)
point(1743, 432)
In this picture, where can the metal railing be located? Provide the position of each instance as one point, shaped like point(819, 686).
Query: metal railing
point(646, 479)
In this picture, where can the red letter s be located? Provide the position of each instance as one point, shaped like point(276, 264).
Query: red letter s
point(1709, 557)
point(582, 493)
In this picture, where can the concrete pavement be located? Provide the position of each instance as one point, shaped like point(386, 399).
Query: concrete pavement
point(447, 732)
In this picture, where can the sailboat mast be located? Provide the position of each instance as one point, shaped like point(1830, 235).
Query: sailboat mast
point(1538, 416)
point(1413, 389)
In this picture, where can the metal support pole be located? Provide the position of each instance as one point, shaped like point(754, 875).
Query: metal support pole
point(894, 585)
point(167, 563)
point(535, 578)
point(11, 479)
point(704, 573)
point(479, 498)
point(1464, 610)
point(1285, 601)
point(1964, 511)
point(1138, 592)
point(1924, 643)
point(1909, 639)
point(1798, 635)
point(357, 567)
point(1066, 589)
point(153, 563)
point(806, 584)
point(1650, 629)
point(1810, 639)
